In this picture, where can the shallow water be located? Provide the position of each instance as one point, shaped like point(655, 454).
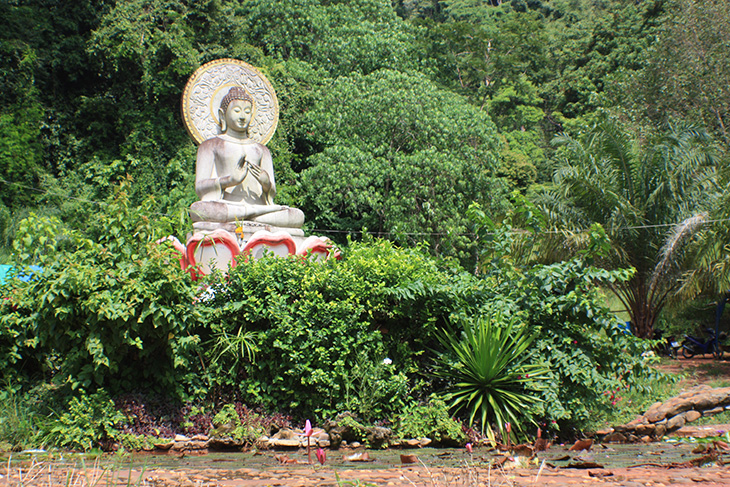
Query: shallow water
point(608, 456)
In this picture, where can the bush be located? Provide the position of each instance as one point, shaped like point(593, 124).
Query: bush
point(324, 330)
point(115, 312)
point(91, 421)
point(429, 420)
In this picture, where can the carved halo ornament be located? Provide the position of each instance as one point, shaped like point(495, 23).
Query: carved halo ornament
point(211, 82)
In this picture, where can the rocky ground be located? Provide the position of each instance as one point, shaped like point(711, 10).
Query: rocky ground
point(647, 464)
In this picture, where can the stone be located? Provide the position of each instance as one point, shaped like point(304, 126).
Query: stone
point(378, 436)
point(713, 411)
point(284, 434)
point(660, 430)
point(675, 422)
point(690, 416)
point(645, 429)
point(615, 438)
point(285, 443)
point(424, 442)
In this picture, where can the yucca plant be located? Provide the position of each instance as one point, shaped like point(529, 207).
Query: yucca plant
point(490, 372)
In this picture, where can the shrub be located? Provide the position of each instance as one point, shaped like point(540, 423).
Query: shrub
point(429, 420)
point(114, 312)
point(324, 329)
point(90, 421)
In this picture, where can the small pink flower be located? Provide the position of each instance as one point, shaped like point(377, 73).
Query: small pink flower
point(613, 403)
point(508, 427)
point(321, 456)
point(307, 428)
point(469, 448)
point(575, 342)
point(527, 376)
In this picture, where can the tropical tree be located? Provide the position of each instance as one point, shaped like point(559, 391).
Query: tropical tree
point(651, 197)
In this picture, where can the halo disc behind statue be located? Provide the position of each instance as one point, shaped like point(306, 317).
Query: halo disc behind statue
point(211, 82)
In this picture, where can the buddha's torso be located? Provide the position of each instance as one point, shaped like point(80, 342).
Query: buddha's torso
point(227, 154)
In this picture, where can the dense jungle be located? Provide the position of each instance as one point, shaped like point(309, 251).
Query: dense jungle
point(524, 194)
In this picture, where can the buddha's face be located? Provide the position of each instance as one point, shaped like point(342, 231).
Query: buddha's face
point(238, 115)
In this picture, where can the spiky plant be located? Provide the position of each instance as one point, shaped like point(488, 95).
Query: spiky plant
point(490, 373)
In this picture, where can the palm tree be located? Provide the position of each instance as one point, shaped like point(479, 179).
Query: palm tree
point(651, 197)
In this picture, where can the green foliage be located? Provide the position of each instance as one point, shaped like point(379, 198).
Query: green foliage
point(429, 420)
point(132, 442)
point(324, 330)
point(583, 344)
point(18, 425)
point(112, 312)
point(372, 389)
point(685, 77)
point(246, 428)
point(489, 371)
point(342, 37)
point(89, 421)
point(399, 156)
point(651, 198)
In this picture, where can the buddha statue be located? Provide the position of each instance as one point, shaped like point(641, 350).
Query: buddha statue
point(234, 175)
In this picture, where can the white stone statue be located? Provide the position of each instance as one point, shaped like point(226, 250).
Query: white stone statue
point(234, 175)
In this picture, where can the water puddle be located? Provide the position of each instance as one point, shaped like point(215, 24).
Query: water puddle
point(608, 456)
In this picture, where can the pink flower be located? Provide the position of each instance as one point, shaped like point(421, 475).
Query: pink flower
point(468, 447)
point(307, 428)
point(508, 427)
point(321, 456)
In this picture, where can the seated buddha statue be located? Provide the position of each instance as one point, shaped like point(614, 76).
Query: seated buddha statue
point(234, 175)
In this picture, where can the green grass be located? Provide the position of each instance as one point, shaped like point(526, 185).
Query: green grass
point(17, 425)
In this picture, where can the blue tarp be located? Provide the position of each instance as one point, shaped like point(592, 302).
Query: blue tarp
point(8, 272)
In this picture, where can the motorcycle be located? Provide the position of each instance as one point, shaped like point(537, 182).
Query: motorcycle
point(666, 346)
point(692, 346)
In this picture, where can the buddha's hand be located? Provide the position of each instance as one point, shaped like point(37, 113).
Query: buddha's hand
point(261, 176)
point(239, 171)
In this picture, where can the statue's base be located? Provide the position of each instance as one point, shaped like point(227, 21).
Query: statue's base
point(246, 228)
point(218, 246)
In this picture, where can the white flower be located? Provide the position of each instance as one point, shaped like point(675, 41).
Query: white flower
point(387, 361)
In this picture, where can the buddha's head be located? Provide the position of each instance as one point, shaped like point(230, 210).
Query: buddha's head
point(236, 110)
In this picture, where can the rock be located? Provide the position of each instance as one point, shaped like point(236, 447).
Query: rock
point(646, 439)
point(164, 445)
point(344, 428)
point(413, 443)
point(407, 459)
point(284, 434)
point(639, 420)
point(358, 457)
point(645, 429)
point(690, 416)
point(424, 442)
point(660, 429)
point(284, 443)
point(355, 444)
point(378, 436)
point(713, 411)
point(675, 422)
point(582, 445)
point(197, 442)
point(615, 438)
point(321, 436)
